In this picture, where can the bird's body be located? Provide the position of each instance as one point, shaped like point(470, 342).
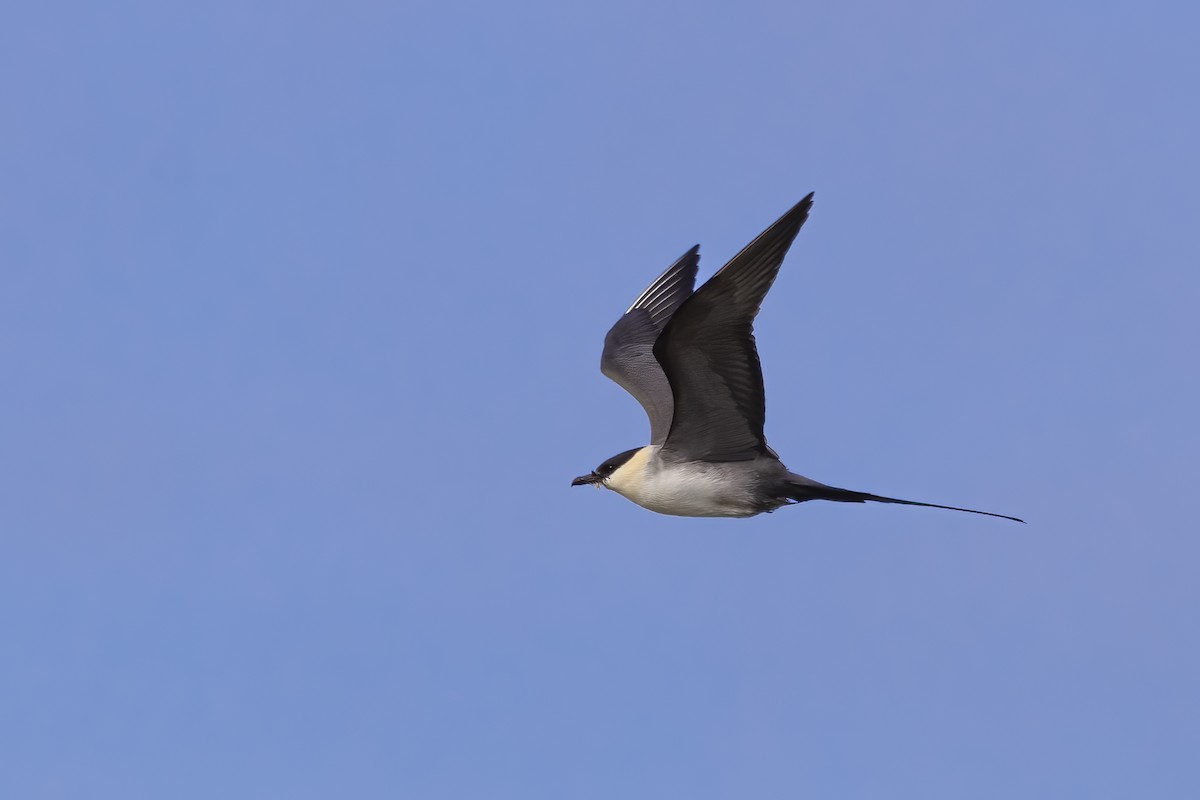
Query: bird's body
point(699, 488)
point(689, 358)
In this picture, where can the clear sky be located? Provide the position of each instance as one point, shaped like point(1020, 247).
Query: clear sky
point(301, 308)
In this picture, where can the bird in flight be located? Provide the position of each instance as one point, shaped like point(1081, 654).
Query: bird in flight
point(689, 358)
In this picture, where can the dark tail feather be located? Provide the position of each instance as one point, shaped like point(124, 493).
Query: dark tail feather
point(811, 490)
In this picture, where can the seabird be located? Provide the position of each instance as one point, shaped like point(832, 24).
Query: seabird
point(689, 359)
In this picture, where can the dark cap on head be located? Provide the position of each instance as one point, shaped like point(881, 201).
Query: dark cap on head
point(607, 468)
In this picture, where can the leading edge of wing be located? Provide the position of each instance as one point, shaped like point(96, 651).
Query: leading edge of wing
point(708, 354)
point(628, 357)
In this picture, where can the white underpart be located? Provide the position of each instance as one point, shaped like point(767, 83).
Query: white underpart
point(683, 490)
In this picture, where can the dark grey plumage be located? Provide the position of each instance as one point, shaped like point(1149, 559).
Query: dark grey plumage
point(708, 354)
point(628, 356)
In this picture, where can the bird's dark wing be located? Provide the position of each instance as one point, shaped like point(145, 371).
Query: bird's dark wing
point(707, 352)
point(629, 346)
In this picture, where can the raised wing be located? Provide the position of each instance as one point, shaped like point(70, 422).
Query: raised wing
point(629, 346)
point(708, 355)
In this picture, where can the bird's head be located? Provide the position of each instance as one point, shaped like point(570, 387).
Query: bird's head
point(600, 475)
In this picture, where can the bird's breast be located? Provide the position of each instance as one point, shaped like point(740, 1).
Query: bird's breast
point(686, 489)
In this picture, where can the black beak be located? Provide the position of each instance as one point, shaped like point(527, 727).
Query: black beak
point(583, 480)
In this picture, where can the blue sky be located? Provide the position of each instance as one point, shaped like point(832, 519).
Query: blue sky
point(301, 308)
